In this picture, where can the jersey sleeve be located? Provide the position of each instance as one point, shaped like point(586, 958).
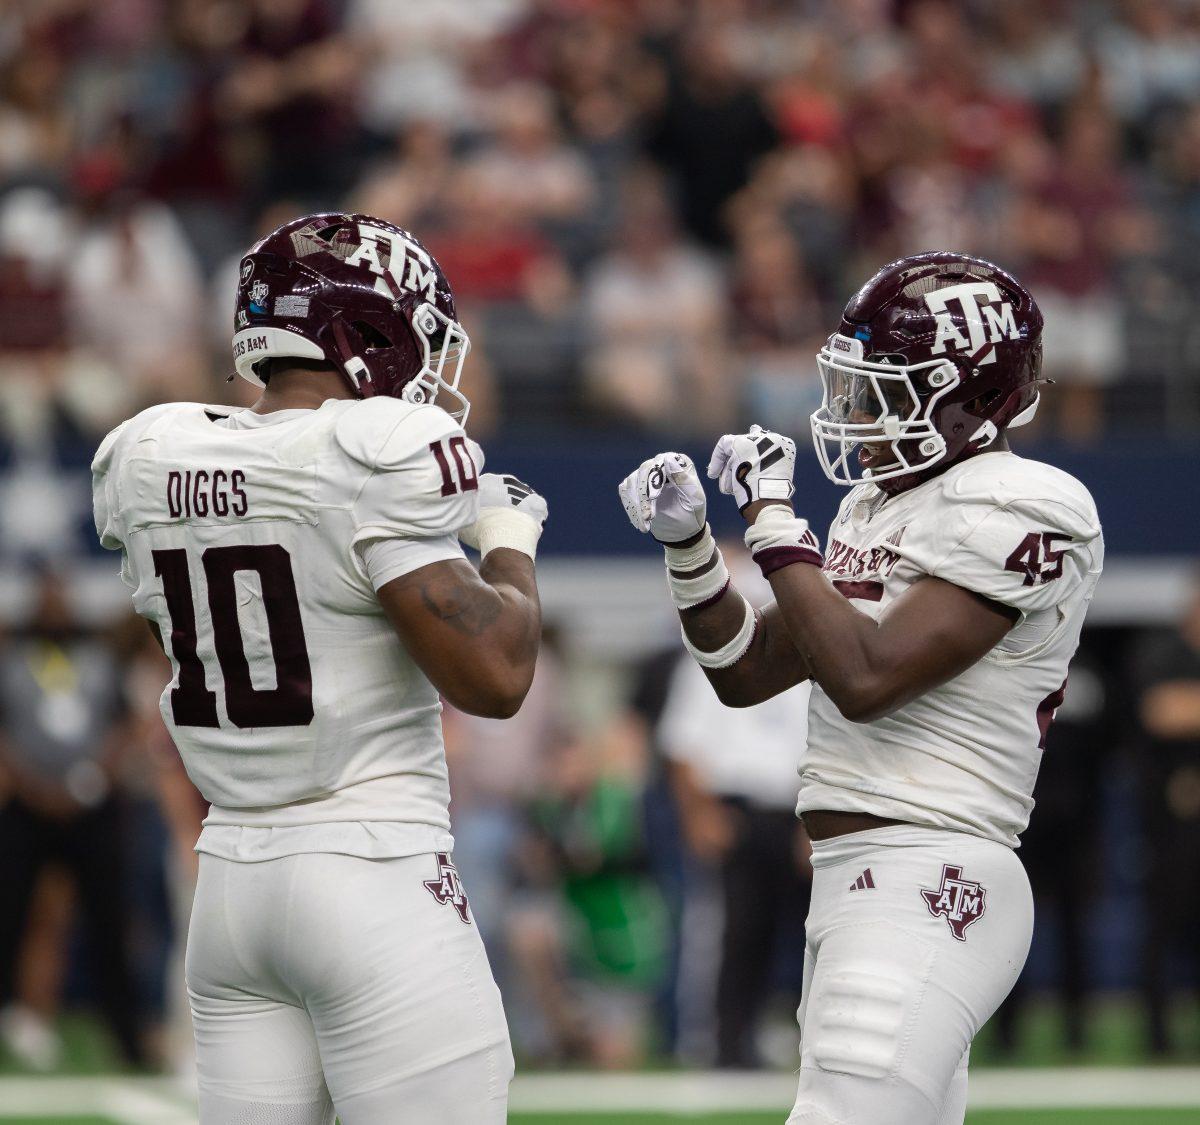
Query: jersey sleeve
point(422, 475)
point(383, 560)
point(106, 508)
point(1029, 553)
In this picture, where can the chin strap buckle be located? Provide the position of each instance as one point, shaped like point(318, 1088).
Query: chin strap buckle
point(985, 435)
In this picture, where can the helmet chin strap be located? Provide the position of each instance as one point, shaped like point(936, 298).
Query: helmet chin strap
point(985, 435)
point(354, 366)
point(1026, 415)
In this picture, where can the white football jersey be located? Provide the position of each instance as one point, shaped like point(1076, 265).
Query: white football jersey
point(296, 709)
point(966, 754)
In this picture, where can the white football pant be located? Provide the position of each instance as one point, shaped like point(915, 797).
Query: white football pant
point(914, 937)
point(322, 981)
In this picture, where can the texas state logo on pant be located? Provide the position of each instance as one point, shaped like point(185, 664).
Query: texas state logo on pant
point(447, 888)
point(960, 901)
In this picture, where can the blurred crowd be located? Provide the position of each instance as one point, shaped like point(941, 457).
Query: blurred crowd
point(640, 203)
point(651, 212)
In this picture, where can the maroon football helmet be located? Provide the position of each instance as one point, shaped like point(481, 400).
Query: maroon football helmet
point(935, 357)
point(359, 293)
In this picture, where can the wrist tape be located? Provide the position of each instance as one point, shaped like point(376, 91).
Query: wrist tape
point(700, 589)
point(779, 538)
point(731, 652)
point(506, 527)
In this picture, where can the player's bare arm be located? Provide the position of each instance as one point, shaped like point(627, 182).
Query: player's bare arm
point(930, 634)
point(475, 634)
point(869, 668)
point(746, 654)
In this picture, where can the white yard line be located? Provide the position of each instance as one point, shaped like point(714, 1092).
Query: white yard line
point(144, 1101)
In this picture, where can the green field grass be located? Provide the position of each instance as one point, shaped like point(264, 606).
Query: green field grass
point(1115, 1040)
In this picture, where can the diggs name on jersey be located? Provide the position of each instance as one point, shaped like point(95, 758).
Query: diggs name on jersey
point(203, 491)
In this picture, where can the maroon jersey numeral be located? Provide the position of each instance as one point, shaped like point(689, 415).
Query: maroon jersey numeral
point(289, 703)
point(192, 704)
point(1036, 558)
point(468, 478)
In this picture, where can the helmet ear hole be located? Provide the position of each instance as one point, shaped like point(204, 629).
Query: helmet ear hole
point(371, 336)
point(983, 402)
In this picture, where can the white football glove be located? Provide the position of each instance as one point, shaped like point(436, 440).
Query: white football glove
point(511, 514)
point(664, 496)
point(758, 465)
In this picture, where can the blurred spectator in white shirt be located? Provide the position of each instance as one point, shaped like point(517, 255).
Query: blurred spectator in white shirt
point(735, 781)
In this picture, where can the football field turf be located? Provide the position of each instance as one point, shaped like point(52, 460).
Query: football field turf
point(1122, 1116)
point(1074, 1096)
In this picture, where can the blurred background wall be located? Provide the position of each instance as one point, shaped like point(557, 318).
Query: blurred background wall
point(651, 212)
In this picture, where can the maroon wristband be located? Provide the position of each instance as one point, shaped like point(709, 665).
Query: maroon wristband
point(771, 559)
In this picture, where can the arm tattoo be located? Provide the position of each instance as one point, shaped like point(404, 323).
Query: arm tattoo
point(460, 606)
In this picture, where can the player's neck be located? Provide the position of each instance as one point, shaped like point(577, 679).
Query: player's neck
point(294, 389)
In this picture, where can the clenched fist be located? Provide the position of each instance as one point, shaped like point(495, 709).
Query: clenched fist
point(758, 465)
point(664, 496)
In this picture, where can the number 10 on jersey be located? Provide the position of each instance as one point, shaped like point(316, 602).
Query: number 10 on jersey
point(289, 703)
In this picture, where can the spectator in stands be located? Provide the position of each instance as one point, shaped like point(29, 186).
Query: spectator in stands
point(528, 168)
point(62, 712)
point(712, 128)
point(776, 325)
point(654, 305)
point(1075, 227)
point(735, 783)
point(287, 95)
point(410, 186)
point(591, 935)
point(1167, 672)
point(134, 287)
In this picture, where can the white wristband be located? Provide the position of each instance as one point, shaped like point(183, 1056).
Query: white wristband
point(506, 527)
point(688, 593)
point(693, 557)
point(778, 539)
point(730, 653)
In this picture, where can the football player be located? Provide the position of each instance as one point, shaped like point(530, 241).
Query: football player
point(302, 560)
point(937, 629)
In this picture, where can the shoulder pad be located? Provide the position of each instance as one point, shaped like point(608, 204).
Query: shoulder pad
point(1046, 495)
point(381, 432)
point(132, 429)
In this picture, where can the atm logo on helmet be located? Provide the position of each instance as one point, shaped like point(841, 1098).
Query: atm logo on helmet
point(989, 319)
point(387, 252)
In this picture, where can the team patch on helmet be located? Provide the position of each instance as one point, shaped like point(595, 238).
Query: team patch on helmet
point(960, 901)
point(258, 297)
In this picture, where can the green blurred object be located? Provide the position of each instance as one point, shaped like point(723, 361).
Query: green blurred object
point(617, 921)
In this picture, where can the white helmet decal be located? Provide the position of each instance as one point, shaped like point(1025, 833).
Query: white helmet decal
point(987, 323)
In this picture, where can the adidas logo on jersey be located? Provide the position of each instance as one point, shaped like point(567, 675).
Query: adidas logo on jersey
point(865, 882)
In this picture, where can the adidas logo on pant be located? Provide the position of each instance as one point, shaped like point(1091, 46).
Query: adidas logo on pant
point(864, 882)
